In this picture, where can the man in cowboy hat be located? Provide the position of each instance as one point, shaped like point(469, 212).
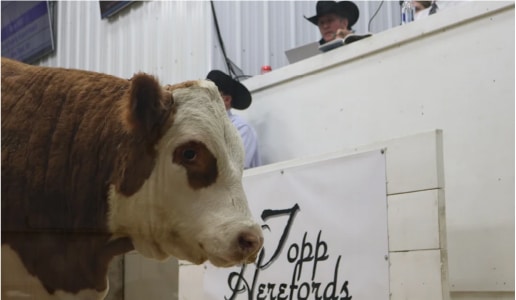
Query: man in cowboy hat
point(236, 95)
point(335, 20)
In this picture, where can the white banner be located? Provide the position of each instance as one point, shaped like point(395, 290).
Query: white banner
point(325, 230)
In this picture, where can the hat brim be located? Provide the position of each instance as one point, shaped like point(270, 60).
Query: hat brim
point(240, 95)
point(348, 10)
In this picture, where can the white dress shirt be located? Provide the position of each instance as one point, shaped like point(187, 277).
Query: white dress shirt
point(249, 138)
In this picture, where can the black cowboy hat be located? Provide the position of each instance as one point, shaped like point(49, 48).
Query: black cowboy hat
point(241, 98)
point(346, 9)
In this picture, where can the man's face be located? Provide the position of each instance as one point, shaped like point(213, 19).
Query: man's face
point(227, 99)
point(329, 24)
point(418, 6)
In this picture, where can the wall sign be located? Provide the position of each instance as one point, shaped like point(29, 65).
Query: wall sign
point(27, 32)
point(111, 8)
point(325, 229)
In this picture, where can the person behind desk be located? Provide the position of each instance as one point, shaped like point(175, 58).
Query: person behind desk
point(428, 8)
point(236, 95)
point(335, 20)
point(421, 5)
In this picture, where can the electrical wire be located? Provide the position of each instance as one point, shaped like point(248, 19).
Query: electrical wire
point(221, 43)
point(374, 15)
point(229, 64)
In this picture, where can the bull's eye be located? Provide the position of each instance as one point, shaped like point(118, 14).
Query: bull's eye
point(199, 163)
point(189, 154)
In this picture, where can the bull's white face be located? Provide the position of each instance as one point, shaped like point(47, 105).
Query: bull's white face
point(193, 205)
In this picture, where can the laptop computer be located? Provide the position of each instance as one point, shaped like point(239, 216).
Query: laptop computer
point(302, 52)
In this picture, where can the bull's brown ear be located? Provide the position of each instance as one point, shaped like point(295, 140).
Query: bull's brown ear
point(145, 111)
point(145, 107)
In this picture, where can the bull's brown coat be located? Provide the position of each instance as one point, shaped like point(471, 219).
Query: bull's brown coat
point(69, 134)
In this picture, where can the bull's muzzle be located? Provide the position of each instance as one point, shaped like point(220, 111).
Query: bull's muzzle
point(250, 242)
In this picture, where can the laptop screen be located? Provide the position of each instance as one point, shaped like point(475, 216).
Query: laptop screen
point(302, 52)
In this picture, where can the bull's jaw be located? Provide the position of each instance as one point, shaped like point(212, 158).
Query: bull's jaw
point(197, 249)
point(214, 237)
point(150, 248)
point(166, 246)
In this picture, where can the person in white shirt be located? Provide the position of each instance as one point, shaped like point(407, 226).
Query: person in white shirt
point(420, 5)
point(428, 8)
point(237, 96)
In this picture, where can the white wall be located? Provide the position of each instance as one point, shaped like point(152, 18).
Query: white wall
point(169, 39)
point(453, 71)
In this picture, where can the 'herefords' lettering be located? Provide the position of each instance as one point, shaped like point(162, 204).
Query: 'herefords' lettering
point(303, 290)
point(305, 257)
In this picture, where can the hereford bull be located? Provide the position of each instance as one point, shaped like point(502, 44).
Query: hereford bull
point(94, 166)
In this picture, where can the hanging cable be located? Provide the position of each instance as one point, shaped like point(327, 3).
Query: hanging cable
point(374, 15)
point(221, 43)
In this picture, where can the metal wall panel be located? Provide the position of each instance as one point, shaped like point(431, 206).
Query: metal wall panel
point(168, 39)
point(176, 40)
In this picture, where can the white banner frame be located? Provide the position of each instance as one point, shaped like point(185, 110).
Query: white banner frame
point(338, 250)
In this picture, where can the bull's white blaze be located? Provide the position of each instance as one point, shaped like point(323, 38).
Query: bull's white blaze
point(19, 284)
point(167, 217)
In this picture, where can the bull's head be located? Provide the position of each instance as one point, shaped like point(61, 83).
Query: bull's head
point(192, 204)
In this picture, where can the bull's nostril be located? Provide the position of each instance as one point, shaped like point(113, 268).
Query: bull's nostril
point(249, 242)
point(246, 242)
